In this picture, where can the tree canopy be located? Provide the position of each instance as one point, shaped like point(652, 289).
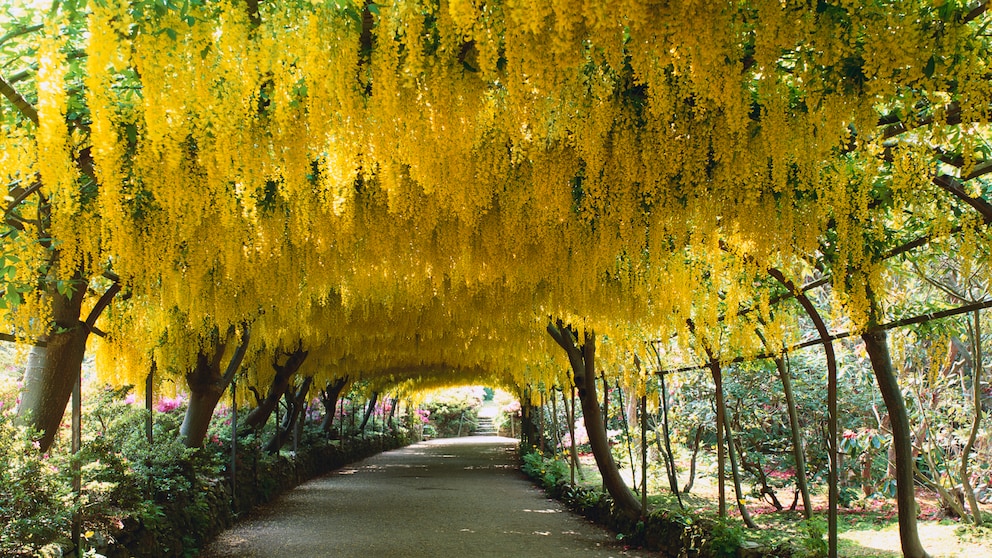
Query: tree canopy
point(411, 189)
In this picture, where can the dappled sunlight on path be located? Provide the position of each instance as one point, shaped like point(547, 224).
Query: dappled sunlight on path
point(449, 497)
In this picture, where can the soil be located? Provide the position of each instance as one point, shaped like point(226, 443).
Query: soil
point(449, 497)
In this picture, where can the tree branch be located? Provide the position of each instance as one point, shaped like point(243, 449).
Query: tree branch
point(979, 9)
point(919, 319)
point(252, 9)
point(19, 102)
point(562, 335)
point(892, 127)
point(100, 306)
point(14, 339)
point(18, 195)
point(239, 355)
point(955, 187)
point(21, 31)
point(557, 336)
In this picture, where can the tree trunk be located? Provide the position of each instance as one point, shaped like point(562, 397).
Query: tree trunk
point(735, 471)
point(392, 411)
point(798, 447)
point(626, 432)
point(287, 430)
point(976, 390)
point(833, 478)
point(284, 373)
point(368, 410)
point(888, 385)
point(526, 420)
point(673, 479)
point(53, 368)
point(753, 467)
point(583, 364)
point(555, 437)
point(644, 454)
point(540, 421)
point(697, 439)
point(329, 399)
point(721, 466)
point(528, 431)
point(575, 466)
point(206, 386)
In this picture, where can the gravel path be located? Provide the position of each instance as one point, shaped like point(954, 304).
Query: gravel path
point(443, 498)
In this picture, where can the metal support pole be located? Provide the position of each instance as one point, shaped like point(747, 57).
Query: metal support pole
point(234, 445)
point(644, 455)
point(77, 443)
point(149, 388)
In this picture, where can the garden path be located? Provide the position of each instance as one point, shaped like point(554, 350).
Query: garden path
point(452, 498)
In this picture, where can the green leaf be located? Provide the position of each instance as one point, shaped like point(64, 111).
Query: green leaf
point(928, 70)
point(132, 134)
point(65, 288)
point(352, 12)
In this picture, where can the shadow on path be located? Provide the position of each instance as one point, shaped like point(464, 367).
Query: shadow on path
point(443, 498)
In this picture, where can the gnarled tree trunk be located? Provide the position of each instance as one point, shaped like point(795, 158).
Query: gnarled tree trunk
point(284, 373)
point(583, 363)
point(54, 365)
point(287, 429)
point(329, 399)
point(369, 409)
point(206, 386)
point(696, 441)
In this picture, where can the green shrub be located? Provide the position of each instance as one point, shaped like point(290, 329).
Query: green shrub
point(725, 539)
point(36, 503)
point(549, 471)
point(155, 499)
point(454, 412)
point(812, 544)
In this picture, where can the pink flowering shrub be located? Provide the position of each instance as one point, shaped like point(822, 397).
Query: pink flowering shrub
point(169, 404)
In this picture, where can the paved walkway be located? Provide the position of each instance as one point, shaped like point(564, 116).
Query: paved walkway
point(443, 498)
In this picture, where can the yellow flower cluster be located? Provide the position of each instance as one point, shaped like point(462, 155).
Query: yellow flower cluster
point(412, 191)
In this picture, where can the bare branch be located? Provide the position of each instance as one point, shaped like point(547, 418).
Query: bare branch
point(14, 339)
point(980, 8)
point(18, 196)
point(100, 306)
point(956, 188)
point(919, 319)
